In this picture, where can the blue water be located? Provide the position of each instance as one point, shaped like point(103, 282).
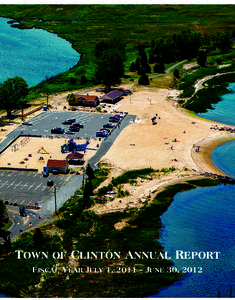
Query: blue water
point(202, 219)
point(33, 54)
point(224, 158)
point(223, 111)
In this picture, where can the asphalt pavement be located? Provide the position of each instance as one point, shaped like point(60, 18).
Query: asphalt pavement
point(27, 188)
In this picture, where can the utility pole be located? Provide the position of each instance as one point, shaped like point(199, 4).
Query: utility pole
point(55, 199)
point(47, 97)
point(22, 110)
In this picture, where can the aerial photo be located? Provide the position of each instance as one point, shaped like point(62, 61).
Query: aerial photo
point(117, 150)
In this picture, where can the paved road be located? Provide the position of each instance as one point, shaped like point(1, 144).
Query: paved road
point(21, 224)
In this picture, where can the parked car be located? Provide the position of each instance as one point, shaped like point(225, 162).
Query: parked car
point(78, 125)
point(27, 123)
point(115, 116)
point(69, 132)
point(108, 125)
point(74, 128)
point(113, 120)
point(105, 129)
point(57, 130)
point(69, 121)
point(118, 116)
point(101, 133)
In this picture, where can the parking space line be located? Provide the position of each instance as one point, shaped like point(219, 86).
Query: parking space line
point(38, 186)
point(30, 186)
point(17, 185)
point(23, 186)
point(6, 182)
point(30, 202)
point(12, 183)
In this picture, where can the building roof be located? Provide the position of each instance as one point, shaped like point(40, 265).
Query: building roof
point(75, 155)
point(112, 95)
point(87, 97)
point(56, 163)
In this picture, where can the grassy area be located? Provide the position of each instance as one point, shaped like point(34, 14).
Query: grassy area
point(131, 178)
point(7, 226)
point(86, 25)
point(210, 94)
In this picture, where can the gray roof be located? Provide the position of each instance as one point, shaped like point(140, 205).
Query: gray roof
point(113, 95)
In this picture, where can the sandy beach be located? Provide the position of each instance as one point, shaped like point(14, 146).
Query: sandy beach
point(170, 141)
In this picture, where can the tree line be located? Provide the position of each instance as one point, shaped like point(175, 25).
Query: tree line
point(110, 55)
point(187, 45)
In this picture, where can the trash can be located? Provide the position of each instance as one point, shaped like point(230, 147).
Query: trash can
point(45, 108)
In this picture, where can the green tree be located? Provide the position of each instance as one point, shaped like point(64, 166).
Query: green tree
point(110, 57)
point(147, 68)
point(143, 59)
point(12, 92)
point(201, 59)
point(71, 98)
point(3, 214)
point(159, 68)
point(90, 172)
point(38, 238)
point(144, 80)
point(176, 73)
point(151, 58)
point(132, 67)
point(137, 63)
point(88, 189)
point(223, 41)
point(83, 80)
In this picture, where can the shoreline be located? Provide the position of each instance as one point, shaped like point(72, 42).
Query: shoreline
point(203, 158)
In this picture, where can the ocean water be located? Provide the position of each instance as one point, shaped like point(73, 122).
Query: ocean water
point(201, 220)
point(33, 54)
point(223, 158)
point(223, 111)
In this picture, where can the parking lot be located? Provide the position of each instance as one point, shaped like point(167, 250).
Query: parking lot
point(44, 122)
point(28, 188)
